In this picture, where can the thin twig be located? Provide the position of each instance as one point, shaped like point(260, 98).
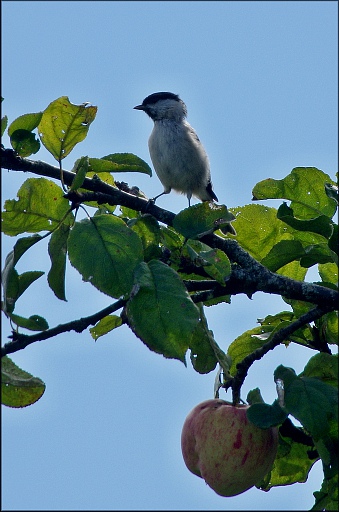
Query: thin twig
point(21, 341)
point(277, 338)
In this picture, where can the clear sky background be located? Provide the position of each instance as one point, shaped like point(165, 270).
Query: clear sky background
point(260, 83)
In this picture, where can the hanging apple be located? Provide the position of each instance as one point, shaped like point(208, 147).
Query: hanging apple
point(223, 447)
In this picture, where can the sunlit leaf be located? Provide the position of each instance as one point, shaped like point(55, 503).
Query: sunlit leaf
point(324, 367)
point(245, 344)
point(259, 229)
point(105, 325)
point(327, 498)
point(320, 224)
point(292, 464)
point(63, 125)
point(305, 187)
point(25, 122)
point(19, 388)
point(329, 273)
point(40, 207)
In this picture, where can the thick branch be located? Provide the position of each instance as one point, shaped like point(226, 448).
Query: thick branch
point(257, 278)
point(104, 193)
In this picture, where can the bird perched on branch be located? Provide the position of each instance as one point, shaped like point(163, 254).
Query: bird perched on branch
point(177, 154)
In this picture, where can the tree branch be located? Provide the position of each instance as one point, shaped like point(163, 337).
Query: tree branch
point(248, 275)
point(104, 193)
point(283, 334)
point(21, 341)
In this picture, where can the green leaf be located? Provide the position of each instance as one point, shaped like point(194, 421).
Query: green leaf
point(105, 252)
point(27, 122)
point(259, 229)
point(321, 224)
point(245, 344)
point(214, 261)
point(26, 279)
point(327, 327)
point(274, 320)
point(292, 464)
point(219, 266)
point(23, 244)
point(171, 239)
point(265, 415)
point(324, 367)
point(120, 162)
point(318, 253)
point(80, 169)
point(293, 270)
point(148, 229)
point(160, 311)
point(63, 125)
point(328, 273)
point(57, 250)
point(40, 207)
point(22, 139)
point(311, 401)
point(282, 253)
point(19, 388)
point(33, 323)
point(24, 143)
point(305, 187)
point(201, 219)
point(105, 325)
point(254, 397)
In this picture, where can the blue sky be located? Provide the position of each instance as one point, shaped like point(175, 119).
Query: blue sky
point(260, 83)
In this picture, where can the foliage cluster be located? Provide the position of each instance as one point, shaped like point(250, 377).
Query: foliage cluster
point(162, 270)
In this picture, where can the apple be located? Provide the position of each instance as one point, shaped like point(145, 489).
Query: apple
point(223, 447)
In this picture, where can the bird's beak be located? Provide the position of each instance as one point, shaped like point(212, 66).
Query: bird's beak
point(139, 107)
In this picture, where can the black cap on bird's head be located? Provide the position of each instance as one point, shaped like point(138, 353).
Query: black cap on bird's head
point(160, 105)
point(155, 97)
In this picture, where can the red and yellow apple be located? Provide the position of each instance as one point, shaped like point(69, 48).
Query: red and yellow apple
point(223, 447)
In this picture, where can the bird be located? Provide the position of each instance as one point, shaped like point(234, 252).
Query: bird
point(179, 159)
